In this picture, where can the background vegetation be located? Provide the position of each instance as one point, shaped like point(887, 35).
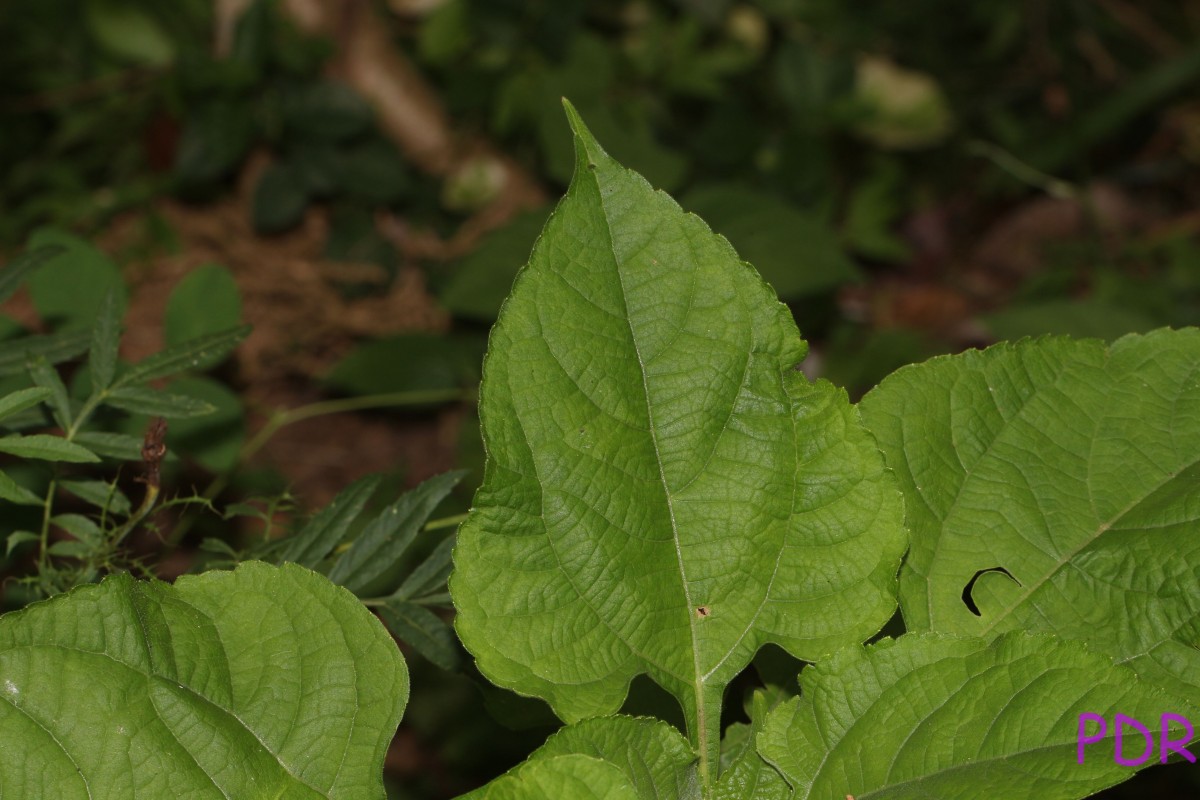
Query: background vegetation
point(359, 181)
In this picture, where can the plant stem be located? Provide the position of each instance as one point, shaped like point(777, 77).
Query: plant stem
point(281, 418)
point(1055, 187)
point(145, 508)
point(44, 538)
point(445, 522)
point(704, 731)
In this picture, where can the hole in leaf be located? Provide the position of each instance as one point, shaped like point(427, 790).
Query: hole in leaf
point(966, 593)
point(702, 612)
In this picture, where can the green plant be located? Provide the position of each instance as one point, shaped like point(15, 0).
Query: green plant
point(90, 539)
point(666, 494)
point(91, 547)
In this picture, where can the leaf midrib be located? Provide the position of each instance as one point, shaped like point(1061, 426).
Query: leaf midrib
point(1084, 543)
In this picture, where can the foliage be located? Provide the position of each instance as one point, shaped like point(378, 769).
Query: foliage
point(201, 327)
point(71, 548)
point(264, 681)
point(820, 139)
point(668, 494)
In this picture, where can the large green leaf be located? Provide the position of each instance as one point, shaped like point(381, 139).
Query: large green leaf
point(932, 716)
point(265, 682)
point(1072, 466)
point(665, 492)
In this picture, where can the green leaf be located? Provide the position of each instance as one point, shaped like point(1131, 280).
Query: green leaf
point(748, 776)
point(71, 548)
point(79, 526)
point(445, 33)
point(482, 279)
point(14, 492)
point(215, 139)
point(112, 445)
point(128, 33)
point(430, 575)
point(206, 301)
point(409, 363)
point(665, 492)
point(280, 198)
point(653, 755)
point(47, 448)
point(70, 288)
point(871, 212)
point(1064, 464)
point(214, 440)
point(60, 403)
point(382, 543)
point(262, 682)
point(934, 716)
point(55, 348)
point(17, 538)
point(421, 628)
point(201, 353)
point(22, 399)
point(144, 400)
point(106, 338)
point(100, 494)
point(796, 252)
point(578, 777)
point(19, 268)
point(330, 525)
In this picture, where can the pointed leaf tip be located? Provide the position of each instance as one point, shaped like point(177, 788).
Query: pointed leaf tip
point(587, 150)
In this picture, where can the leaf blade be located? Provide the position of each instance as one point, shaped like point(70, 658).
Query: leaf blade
point(190, 665)
point(385, 539)
point(55, 348)
point(106, 338)
point(22, 399)
point(46, 448)
point(422, 629)
point(1075, 457)
point(929, 715)
point(156, 403)
point(646, 429)
point(199, 353)
point(58, 399)
point(327, 528)
point(19, 268)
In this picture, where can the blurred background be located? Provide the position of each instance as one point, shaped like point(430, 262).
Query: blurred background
point(361, 179)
